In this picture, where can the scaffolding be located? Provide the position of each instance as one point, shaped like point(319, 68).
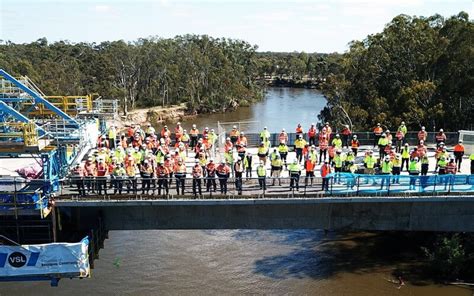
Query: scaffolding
point(54, 130)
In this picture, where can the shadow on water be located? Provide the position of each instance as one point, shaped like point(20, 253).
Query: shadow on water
point(317, 256)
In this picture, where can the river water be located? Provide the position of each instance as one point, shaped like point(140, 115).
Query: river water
point(281, 108)
point(242, 262)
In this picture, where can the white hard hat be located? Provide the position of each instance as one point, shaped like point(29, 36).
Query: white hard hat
point(234, 126)
point(441, 130)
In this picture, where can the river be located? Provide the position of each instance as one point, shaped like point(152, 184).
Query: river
point(237, 262)
point(281, 108)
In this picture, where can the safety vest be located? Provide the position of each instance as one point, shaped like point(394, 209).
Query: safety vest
point(440, 137)
point(150, 130)
point(309, 166)
point(261, 171)
point(402, 129)
point(386, 167)
point(369, 162)
point(101, 170)
point(242, 141)
point(442, 163)
point(265, 134)
point(451, 168)
point(425, 160)
point(202, 161)
point(247, 162)
point(112, 133)
point(212, 137)
point(355, 144)
point(414, 167)
point(197, 171)
point(378, 131)
point(312, 132)
point(148, 169)
point(299, 130)
point(350, 157)
point(312, 156)
point(262, 150)
point(323, 144)
point(118, 171)
point(459, 148)
point(239, 167)
point(161, 171)
point(185, 138)
point(194, 132)
point(471, 157)
point(234, 133)
point(338, 161)
point(180, 169)
point(422, 135)
point(283, 137)
point(396, 162)
point(294, 168)
point(283, 149)
point(337, 143)
point(406, 153)
point(229, 157)
point(325, 170)
point(273, 155)
point(276, 162)
point(130, 170)
point(300, 143)
point(383, 141)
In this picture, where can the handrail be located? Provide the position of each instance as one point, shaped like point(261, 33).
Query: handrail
point(338, 184)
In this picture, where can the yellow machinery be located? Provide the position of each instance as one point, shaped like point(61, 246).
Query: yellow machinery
point(71, 105)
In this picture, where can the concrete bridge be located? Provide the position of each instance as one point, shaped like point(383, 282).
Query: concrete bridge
point(450, 213)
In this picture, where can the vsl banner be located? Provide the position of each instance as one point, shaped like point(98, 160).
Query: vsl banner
point(71, 259)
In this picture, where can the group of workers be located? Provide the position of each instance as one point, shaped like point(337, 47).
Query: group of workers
point(159, 158)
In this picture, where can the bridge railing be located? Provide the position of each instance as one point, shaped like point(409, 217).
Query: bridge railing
point(339, 184)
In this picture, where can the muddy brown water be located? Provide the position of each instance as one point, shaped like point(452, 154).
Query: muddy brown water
point(243, 262)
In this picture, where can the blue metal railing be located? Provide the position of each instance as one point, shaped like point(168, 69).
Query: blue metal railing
point(355, 184)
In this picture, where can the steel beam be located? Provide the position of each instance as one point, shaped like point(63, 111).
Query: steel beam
point(20, 117)
point(38, 98)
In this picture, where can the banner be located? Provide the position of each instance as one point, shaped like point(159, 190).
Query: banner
point(58, 259)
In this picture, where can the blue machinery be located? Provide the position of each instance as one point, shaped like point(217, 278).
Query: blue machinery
point(51, 130)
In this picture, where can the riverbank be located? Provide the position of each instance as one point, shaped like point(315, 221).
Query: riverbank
point(153, 114)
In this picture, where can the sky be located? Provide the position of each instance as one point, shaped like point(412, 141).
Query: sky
point(274, 25)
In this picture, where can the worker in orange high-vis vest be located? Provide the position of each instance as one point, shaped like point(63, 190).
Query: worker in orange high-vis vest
point(178, 131)
point(299, 130)
point(312, 134)
point(283, 137)
point(458, 154)
point(378, 130)
point(193, 136)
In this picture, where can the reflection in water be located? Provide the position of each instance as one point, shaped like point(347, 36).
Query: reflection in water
point(281, 108)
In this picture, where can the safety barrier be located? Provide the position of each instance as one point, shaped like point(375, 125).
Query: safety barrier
point(342, 183)
point(18, 193)
point(338, 184)
point(25, 133)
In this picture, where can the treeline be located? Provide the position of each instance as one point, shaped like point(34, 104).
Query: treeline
point(419, 70)
point(207, 74)
point(298, 65)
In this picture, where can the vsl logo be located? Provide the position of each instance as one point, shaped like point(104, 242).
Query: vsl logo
point(17, 259)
